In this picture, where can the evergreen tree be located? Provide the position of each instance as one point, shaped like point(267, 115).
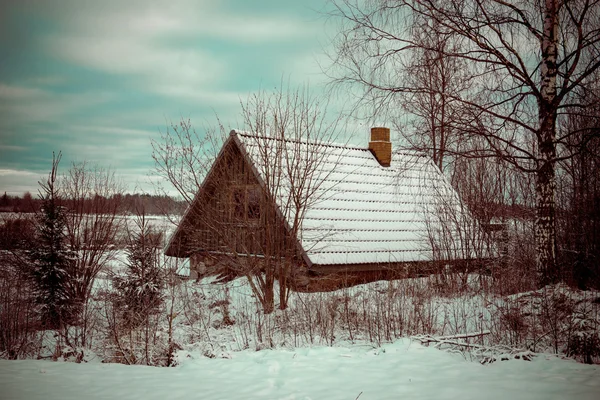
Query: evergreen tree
point(4, 201)
point(140, 288)
point(52, 261)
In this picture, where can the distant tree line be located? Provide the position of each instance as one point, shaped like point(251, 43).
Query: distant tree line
point(128, 203)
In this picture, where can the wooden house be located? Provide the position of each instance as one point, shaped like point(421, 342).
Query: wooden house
point(330, 214)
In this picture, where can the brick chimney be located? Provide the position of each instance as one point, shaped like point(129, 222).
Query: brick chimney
point(380, 145)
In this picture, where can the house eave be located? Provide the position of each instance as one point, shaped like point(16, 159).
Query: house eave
point(393, 266)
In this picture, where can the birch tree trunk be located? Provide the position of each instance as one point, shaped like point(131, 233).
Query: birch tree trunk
point(545, 230)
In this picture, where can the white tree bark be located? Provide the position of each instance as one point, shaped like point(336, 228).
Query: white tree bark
point(545, 230)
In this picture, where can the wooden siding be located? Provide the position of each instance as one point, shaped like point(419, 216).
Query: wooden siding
point(233, 216)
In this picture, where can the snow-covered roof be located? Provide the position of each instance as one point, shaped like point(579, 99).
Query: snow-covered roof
point(359, 211)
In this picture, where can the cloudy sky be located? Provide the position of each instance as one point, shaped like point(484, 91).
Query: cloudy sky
point(97, 79)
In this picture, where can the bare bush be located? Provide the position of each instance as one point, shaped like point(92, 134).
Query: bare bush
point(92, 196)
point(18, 311)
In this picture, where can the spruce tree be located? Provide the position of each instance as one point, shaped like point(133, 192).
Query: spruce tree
point(140, 287)
point(4, 201)
point(51, 258)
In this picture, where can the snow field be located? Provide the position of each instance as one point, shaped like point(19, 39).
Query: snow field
point(402, 369)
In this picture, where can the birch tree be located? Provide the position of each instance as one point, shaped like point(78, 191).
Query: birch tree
point(524, 58)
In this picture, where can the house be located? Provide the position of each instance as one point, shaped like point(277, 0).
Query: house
point(333, 214)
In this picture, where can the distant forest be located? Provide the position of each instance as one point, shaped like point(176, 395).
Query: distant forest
point(128, 203)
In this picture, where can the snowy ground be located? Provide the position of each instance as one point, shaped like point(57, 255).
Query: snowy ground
point(220, 327)
point(399, 370)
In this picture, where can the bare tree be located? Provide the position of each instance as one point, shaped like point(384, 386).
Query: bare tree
point(579, 192)
point(250, 215)
point(92, 196)
point(293, 168)
point(435, 128)
point(183, 157)
point(524, 59)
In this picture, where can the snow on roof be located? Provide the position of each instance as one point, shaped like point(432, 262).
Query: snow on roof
point(360, 212)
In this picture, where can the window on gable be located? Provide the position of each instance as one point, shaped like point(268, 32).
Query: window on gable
point(238, 203)
point(253, 199)
point(246, 203)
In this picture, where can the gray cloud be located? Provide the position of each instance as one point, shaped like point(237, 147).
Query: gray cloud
point(103, 77)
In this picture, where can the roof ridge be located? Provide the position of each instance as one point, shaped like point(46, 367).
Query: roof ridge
point(307, 142)
point(247, 134)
